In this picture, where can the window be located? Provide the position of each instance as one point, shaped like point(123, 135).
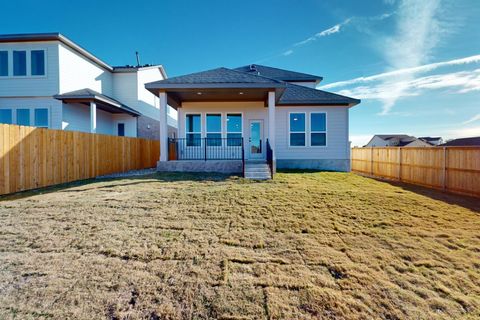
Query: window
point(23, 117)
point(318, 129)
point(6, 116)
point(121, 129)
point(214, 129)
point(19, 63)
point(41, 118)
point(3, 63)
point(234, 129)
point(297, 129)
point(193, 130)
point(37, 62)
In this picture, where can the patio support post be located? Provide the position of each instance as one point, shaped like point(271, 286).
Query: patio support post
point(271, 126)
point(93, 117)
point(163, 127)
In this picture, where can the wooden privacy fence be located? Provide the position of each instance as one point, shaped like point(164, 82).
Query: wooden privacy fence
point(454, 169)
point(33, 157)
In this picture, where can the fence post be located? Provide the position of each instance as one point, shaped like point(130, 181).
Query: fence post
point(400, 164)
point(444, 176)
point(371, 161)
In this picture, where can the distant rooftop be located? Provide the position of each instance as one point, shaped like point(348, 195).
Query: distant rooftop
point(463, 142)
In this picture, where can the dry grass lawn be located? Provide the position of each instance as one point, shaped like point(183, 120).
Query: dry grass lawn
point(304, 246)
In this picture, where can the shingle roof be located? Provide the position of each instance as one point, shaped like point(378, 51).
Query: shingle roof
point(278, 74)
point(391, 136)
point(220, 77)
point(94, 95)
point(287, 93)
point(473, 141)
point(300, 95)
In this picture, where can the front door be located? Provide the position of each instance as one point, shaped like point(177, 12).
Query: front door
point(255, 146)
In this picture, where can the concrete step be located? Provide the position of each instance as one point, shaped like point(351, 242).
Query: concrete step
point(257, 176)
point(257, 169)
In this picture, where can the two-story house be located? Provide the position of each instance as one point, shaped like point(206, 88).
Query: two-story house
point(47, 80)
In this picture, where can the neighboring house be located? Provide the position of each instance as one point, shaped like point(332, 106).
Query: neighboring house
point(253, 113)
point(434, 141)
point(396, 140)
point(462, 142)
point(46, 80)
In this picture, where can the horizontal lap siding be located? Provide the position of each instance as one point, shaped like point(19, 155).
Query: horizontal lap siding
point(33, 157)
point(337, 134)
point(454, 169)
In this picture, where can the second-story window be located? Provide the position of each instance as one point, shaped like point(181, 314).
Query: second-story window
point(37, 60)
point(3, 63)
point(19, 63)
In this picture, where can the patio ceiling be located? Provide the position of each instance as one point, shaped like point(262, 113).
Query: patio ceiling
point(177, 96)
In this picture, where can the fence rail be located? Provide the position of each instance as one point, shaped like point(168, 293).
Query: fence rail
point(453, 169)
point(33, 157)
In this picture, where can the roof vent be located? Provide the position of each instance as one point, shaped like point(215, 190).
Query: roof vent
point(253, 67)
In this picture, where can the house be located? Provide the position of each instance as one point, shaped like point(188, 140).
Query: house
point(462, 142)
point(234, 120)
point(434, 141)
point(396, 140)
point(47, 80)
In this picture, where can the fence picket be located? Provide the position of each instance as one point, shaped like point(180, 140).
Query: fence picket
point(34, 157)
point(454, 169)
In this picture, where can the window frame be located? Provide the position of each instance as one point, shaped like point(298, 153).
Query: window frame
point(214, 132)
point(193, 132)
point(233, 132)
point(304, 132)
point(26, 63)
point(312, 131)
point(34, 117)
point(12, 113)
point(29, 116)
point(8, 64)
point(44, 62)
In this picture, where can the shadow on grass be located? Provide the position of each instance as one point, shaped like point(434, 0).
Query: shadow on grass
point(72, 187)
point(465, 201)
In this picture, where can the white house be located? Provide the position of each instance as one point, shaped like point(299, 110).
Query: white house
point(46, 80)
point(253, 119)
point(397, 140)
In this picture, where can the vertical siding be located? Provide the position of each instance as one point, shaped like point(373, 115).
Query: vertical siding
point(337, 134)
point(77, 72)
point(32, 86)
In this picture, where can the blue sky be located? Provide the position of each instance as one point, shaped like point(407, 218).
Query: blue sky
point(415, 64)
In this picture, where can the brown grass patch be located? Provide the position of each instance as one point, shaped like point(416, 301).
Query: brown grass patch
point(304, 246)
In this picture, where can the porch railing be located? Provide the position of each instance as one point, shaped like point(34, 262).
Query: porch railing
point(206, 149)
point(270, 158)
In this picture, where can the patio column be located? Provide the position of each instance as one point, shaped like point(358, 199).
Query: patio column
point(271, 125)
point(93, 117)
point(163, 127)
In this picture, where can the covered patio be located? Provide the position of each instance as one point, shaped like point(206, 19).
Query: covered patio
point(226, 118)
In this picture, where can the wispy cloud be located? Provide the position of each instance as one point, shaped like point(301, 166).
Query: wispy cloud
point(417, 33)
point(472, 119)
point(335, 29)
point(404, 71)
point(457, 82)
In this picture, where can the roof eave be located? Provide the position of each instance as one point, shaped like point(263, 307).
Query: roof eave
point(98, 98)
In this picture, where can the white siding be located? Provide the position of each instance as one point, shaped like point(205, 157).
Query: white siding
point(148, 103)
point(31, 86)
point(377, 142)
point(130, 124)
point(125, 88)
point(54, 108)
point(78, 72)
point(337, 134)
